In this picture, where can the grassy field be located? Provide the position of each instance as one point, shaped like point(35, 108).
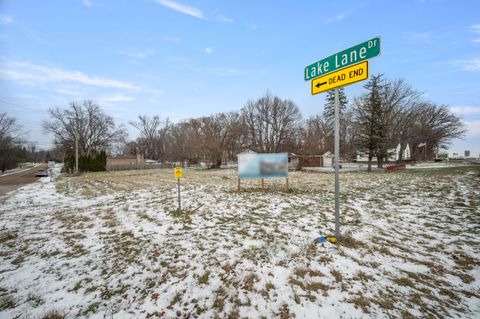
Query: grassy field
point(113, 245)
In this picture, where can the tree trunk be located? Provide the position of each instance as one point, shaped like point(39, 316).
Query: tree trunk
point(379, 161)
point(400, 154)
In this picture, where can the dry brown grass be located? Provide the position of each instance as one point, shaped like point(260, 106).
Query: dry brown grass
point(350, 242)
point(361, 302)
point(337, 275)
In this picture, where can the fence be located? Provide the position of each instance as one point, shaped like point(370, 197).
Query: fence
point(393, 167)
point(135, 166)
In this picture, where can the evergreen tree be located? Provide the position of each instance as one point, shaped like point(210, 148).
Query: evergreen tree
point(329, 108)
point(329, 116)
point(372, 131)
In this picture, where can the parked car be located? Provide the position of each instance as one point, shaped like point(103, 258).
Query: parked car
point(41, 173)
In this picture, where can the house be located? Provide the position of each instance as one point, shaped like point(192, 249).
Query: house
point(293, 161)
point(327, 159)
point(393, 154)
point(405, 154)
point(123, 162)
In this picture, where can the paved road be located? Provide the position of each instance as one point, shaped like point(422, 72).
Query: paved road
point(11, 182)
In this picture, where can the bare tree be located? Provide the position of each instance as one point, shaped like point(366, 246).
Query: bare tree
point(392, 112)
point(148, 128)
point(95, 130)
point(315, 135)
point(399, 106)
point(437, 126)
point(272, 123)
point(8, 130)
point(10, 144)
point(220, 136)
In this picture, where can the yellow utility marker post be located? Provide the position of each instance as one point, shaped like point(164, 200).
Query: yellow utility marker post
point(178, 175)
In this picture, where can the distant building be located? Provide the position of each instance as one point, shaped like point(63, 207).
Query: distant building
point(327, 159)
point(293, 161)
point(405, 154)
point(310, 161)
point(121, 162)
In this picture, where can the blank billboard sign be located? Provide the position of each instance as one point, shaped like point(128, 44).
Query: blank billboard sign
point(271, 165)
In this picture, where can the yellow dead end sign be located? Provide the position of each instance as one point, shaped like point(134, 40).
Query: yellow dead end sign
point(178, 172)
point(348, 75)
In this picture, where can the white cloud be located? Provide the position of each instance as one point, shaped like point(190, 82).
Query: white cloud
point(67, 90)
point(179, 60)
point(4, 19)
point(473, 128)
point(171, 39)
point(208, 50)
point(475, 28)
point(116, 98)
point(87, 3)
point(36, 37)
point(338, 17)
point(38, 75)
point(465, 110)
point(419, 37)
point(472, 65)
point(137, 54)
point(194, 12)
point(224, 19)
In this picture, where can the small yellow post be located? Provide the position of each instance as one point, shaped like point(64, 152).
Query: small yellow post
point(262, 186)
point(286, 184)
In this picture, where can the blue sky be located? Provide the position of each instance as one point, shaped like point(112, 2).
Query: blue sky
point(186, 58)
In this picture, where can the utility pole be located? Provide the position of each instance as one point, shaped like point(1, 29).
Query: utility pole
point(337, 165)
point(76, 151)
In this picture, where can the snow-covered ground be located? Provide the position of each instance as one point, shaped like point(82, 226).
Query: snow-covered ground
point(112, 245)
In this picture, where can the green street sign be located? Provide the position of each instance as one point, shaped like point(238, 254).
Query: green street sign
point(355, 54)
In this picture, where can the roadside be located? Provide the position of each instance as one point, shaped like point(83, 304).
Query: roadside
point(13, 181)
point(23, 167)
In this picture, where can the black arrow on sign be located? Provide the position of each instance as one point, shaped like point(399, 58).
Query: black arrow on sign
point(320, 84)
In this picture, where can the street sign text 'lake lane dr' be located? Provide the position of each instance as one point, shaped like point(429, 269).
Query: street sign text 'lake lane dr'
point(348, 75)
point(353, 55)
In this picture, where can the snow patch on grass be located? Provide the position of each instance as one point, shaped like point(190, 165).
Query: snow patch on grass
point(114, 244)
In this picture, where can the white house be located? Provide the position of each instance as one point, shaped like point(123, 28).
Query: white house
point(406, 152)
point(327, 159)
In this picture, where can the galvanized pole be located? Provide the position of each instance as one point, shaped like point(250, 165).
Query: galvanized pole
point(179, 203)
point(76, 151)
point(337, 165)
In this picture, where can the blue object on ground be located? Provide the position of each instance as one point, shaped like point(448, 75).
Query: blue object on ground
point(320, 239)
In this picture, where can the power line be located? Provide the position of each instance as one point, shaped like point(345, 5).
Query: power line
point(5, 100)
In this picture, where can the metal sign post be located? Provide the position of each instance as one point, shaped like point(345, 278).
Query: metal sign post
point(179, 201)
point(338, 70)
point(178, 175)
point(337, 165)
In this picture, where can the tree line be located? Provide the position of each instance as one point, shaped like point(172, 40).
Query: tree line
point(13, 148)
point(388, 113)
